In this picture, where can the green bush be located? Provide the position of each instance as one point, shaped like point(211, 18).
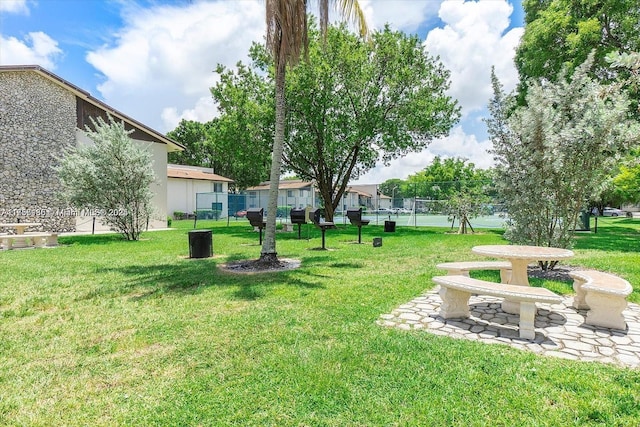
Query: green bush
point(283, 211)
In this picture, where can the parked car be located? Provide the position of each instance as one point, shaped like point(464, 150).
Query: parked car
point(241, 214)
point(384, 211)
point(612, 212)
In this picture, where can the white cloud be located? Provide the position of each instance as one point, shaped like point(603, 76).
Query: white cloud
point(37, 49)
point(14, 6)
point(471, 42)
point(405, 15)
point(456, 144)
point(160, 67)
point(474, 38)
point(202, 112)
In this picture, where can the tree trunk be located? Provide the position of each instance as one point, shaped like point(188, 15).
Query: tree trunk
point(329, 209)
point(269, 253)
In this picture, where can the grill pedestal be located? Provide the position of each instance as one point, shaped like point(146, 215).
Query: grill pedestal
point(355, 217)
point(256, 219)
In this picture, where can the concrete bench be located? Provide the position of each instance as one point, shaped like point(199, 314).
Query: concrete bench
point(462, 268)
point(36, 239)
point(604, 295)
point(7, 241)
point(286, 227)
point(456, 290)
point(42, 239)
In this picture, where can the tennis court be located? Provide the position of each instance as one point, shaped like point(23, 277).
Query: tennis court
point(424, 220)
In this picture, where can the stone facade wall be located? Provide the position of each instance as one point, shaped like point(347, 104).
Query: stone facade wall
point(37, 123)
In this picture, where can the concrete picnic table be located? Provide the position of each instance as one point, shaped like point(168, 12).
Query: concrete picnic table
point(19, 226)
point(19, 242)
point(520, 257)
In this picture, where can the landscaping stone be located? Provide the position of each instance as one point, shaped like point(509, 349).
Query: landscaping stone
point(560, 329)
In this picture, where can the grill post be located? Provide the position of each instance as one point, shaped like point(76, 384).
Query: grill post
point(314, 216)
point(256, 219)
point(298, 216)
point(355, 217)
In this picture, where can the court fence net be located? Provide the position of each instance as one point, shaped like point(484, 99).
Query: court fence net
point(404, 211)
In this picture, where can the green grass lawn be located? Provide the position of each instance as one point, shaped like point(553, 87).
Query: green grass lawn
point(100, 331)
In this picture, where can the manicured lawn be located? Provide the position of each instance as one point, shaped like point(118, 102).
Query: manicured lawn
point(104, 332)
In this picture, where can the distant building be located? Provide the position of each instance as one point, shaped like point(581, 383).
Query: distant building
point(300, 194)
point(293, 193)
point(370, 197)
point(191, 188)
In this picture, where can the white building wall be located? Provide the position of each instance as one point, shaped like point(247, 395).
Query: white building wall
point(159, 201)
point(159, 188)
point(182, 195)
point(179, 196)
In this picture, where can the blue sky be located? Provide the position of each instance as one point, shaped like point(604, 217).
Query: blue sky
point(154, 59)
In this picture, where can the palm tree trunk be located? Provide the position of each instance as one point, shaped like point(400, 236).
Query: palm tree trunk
point(269, 254)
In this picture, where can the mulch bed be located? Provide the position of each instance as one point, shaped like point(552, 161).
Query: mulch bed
point(253, 266)
point(560, 272)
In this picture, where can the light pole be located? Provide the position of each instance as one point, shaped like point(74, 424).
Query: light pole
point(393, 195)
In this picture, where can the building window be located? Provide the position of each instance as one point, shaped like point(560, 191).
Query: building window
point(217, 187)
point(252, 194)
point(290, 193)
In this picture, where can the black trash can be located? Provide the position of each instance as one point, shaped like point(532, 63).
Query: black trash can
point(585, 216)
point(389, 226)
point(200, 244)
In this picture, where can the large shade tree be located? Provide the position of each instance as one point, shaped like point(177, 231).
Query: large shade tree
point(243, 133)
point(358, 103)
point(562, 33)
point(355, 103)
point(287, 40)
point(235, 144)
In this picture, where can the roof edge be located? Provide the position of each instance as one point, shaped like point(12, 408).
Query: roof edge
point(87, 96)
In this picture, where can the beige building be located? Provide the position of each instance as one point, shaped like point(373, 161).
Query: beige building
point(292, 193)
point(300, 194)
point(191, 188)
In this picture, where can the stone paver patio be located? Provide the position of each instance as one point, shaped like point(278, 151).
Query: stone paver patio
point(560, 329)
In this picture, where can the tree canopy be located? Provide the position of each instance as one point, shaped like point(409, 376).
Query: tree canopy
point(562, 33)
point(226, 145)
point(198, 147)
point(354, 103)
point(444, 178)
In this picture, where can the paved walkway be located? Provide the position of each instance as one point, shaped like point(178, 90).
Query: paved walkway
point(560, 329)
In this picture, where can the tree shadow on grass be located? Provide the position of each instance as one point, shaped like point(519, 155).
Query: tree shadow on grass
point(92, 239)
point(613, 238)
point(192, 276)
point(347, 265)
